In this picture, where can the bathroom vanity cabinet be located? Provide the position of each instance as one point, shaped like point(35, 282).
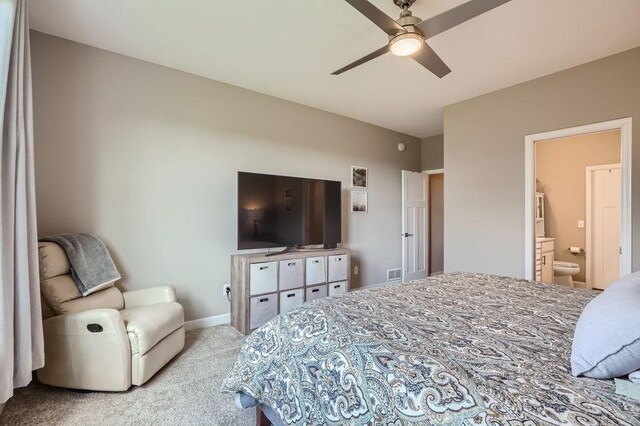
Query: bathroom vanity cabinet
point(544, 259)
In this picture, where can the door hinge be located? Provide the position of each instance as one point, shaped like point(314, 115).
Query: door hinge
point(620, 250)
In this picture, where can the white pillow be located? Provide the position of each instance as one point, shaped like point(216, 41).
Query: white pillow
point(606, 343)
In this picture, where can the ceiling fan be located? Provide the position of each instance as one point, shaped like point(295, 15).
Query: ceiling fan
point(408, 34)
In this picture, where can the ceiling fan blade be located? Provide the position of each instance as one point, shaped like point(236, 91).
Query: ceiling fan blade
point(456, 16)
point(378, 17)
point(361, 61)
point(429, 59)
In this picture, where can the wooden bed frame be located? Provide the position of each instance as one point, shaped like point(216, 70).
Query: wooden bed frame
point(261, 418)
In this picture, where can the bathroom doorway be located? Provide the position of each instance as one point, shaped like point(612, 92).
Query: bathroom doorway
point(578, 212)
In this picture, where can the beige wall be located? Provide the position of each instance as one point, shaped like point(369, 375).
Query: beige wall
point(432, 152)
point(436, 223)
point(561, 176)
point(146, 157)
point(484, 156)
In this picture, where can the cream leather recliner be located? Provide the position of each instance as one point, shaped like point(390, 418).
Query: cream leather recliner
point(108, 340)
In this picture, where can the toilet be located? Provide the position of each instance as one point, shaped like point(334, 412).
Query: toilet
point(563, 272)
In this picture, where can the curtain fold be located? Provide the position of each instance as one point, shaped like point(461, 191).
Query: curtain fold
point(21, 340)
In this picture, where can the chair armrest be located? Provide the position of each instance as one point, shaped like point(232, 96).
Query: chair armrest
point(76, 323)
point(149, 296)
point(87, 350)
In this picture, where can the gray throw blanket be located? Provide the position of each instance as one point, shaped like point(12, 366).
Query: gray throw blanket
point(92, 268)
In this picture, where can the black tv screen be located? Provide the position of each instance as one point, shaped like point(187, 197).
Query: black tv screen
point(283, 211)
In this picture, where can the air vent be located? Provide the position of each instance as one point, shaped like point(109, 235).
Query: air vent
point(394, 274)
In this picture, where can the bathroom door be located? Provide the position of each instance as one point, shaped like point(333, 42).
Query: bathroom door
point(603, 249)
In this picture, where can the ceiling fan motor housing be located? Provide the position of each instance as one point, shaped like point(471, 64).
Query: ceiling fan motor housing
point(404, 4)
point(408, 22)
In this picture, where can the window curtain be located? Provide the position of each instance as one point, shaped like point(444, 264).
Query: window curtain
point(21, 341)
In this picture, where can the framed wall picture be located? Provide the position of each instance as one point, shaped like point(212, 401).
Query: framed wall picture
point(359, 202)
point(359, 177)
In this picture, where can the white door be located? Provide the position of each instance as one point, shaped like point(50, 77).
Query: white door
point(604, 259)
point(415, 194)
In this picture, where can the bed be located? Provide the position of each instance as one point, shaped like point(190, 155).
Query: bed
point(461, 349)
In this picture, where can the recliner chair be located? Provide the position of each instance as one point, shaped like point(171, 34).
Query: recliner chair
point(108, 340)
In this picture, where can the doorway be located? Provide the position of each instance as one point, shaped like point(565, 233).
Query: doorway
point(435, 179)
point(562, 243)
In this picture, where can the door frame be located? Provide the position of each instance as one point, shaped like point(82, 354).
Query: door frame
point(589, 170)
point(626, 226)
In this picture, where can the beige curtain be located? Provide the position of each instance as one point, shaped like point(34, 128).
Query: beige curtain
point(21, 341)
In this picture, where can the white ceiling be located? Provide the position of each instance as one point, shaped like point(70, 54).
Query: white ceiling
point(288, 48)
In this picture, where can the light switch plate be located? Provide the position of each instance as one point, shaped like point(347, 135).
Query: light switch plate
point(355, 270)
point(581, 224)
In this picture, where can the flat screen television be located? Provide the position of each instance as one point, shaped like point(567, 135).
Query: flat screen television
point(284, 211)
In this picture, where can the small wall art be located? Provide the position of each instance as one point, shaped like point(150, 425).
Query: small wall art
point(359, 177)
point(359, 202)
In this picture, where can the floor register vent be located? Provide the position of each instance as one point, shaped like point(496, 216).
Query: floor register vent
point(394, 274)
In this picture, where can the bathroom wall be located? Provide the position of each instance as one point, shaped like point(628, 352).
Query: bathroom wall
point(561, 175)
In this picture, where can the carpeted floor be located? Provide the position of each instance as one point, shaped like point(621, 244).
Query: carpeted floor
point(184, 392)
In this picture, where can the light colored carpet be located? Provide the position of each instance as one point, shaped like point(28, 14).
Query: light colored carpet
point(185, 392)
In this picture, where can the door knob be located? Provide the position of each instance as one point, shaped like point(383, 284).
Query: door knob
point(407, 235)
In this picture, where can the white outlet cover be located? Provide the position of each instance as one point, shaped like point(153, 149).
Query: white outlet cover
point(581, 224)
point(355, 270)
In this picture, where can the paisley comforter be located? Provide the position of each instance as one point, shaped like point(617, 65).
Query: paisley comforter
point(461, 349)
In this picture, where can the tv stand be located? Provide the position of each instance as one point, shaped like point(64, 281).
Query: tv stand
point(266, 284)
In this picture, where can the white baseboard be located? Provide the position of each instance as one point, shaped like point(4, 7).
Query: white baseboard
point(207, 322)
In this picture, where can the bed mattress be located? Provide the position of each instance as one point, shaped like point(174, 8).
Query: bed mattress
point(461, 349)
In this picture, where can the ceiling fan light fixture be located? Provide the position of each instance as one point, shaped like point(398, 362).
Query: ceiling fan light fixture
point(406, 44)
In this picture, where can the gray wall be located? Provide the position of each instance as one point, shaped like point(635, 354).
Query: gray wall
point(484, 153)
point(146, 157)
point(432, 152)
